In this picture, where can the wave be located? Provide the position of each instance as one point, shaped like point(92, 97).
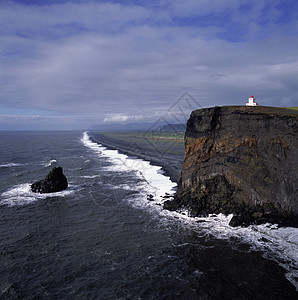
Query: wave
point(8, 165)
point(90, 176)
point(49, 163)
point(22, 195)
point(156, 184)
point(279, 244)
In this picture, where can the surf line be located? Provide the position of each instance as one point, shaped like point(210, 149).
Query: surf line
point(152, 174)
point(283, 242)
point(21, 194)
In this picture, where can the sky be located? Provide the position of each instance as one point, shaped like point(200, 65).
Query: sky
point(74, 64)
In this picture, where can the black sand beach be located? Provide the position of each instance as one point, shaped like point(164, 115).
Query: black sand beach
point(162, 150)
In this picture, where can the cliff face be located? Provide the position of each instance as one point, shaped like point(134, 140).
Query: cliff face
point(241, 160)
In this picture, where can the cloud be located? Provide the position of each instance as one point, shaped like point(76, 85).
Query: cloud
point(122, 118)
point(36, 122)
point(60, 20)
point(87, 58)
point(192, 8)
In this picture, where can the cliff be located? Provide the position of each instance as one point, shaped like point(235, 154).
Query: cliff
point(241, 160)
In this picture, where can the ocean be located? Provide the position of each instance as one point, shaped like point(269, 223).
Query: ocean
point(105, 237)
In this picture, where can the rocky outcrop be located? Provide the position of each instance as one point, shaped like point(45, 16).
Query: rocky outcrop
point(241, 160)
point(55, 181)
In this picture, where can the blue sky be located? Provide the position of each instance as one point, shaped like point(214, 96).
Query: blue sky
point(73, 64)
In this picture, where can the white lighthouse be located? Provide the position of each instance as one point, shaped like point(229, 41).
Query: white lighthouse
point(251, 101)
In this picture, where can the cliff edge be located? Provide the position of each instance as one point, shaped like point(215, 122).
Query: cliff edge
point(241, 160)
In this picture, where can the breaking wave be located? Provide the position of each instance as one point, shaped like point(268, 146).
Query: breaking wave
point(22, 195)
point(278, 244)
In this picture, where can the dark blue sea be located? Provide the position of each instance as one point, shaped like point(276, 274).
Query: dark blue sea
point(103, 239)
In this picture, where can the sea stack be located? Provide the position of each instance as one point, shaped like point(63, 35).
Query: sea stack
point(55, 181)
point(241, 160)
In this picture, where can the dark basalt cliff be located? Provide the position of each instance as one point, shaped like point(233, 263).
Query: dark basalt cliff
point(241, 160)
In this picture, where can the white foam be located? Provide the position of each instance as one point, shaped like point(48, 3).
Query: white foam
point(279, 244)
point(157, 183)
point(49, 163)
point(90, 176)
point(21, 195)
point(8, 165)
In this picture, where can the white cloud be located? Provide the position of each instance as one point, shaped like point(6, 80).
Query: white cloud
point(191, 8)
point(67, 18)
point(121, 61)
point(122, 118)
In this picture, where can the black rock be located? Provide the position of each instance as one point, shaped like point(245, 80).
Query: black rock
point(236, 221)
point(55, 181)
point(167, 196)
point(193, 212)
point(150, 197)
point(171, 205)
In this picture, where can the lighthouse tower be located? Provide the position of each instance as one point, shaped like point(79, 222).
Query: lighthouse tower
point(251, 101)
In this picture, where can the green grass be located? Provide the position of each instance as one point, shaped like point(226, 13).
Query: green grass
point(294, 107)
point(137, 135)
point(171, 143)
point(168, 135)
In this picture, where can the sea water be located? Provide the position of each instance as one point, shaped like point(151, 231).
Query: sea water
point(108, 237)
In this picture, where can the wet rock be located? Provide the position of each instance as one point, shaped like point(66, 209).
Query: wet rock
point(167, 196)
point(171, 205)
point(55, 181)
point(150, 197)
point(193, 212)
point(236, 221)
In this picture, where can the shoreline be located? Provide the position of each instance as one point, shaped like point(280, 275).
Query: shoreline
point(171, 164)
point(251, 236)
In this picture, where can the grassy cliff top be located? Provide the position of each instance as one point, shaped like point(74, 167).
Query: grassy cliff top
point(270, 110)
point(293, 108)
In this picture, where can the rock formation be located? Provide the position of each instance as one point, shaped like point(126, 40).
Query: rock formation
point(241, 160)
point(55, 181)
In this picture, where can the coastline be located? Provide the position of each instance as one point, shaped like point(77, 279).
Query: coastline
point(168, 154)
point(278, 243)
